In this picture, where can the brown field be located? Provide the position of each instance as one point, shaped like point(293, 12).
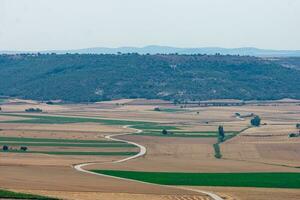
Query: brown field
point(264, 149)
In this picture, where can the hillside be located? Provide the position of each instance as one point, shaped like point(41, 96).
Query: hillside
point(83, 78)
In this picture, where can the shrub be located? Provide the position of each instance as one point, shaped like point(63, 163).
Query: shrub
point(221, 133)
point(157, 109)
point(217, 149)
point(255, 121)
point(23, 148)
point(5, 148)
point(33, 110)
point(164, 132)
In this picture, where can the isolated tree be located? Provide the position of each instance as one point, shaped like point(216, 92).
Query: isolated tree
point(298, 125)
point(164, 132)
point(255, 121)
point(221, 133)
point(23, 148)
point(5, 148)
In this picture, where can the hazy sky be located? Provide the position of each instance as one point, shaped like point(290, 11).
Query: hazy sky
point(71, 24)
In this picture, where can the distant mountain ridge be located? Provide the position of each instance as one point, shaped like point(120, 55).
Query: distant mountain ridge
point(155, 49)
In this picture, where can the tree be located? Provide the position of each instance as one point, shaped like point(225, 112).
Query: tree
point(164, 132)
point(221, 133)
point(255, 121)
point(298, 126)
point(5, 148)
point(23, 148)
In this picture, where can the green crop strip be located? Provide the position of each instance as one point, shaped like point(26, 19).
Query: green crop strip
point(46, 119)
point(103, 145)
point(81, 153)
point(16, 195)
point(23, 139)
point(256, 179)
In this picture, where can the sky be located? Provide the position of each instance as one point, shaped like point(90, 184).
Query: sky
point(75, 24)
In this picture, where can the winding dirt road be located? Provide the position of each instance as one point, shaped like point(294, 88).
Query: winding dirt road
point(142, 152)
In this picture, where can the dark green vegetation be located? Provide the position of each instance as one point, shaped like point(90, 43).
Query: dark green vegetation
point(77, 153)
point(255, 121)
point(256, 179)
point(169, 110)
point(221, 134)
point(179, 133)
point(89, 78)
point(217, 150)
point(22, 139)
point(101, 145)
point(34, 110)
point(15, 195)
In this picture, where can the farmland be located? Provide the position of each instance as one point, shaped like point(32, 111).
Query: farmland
point(268, 180)
point(65, 135)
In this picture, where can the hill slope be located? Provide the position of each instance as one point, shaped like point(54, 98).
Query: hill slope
point(82, 78)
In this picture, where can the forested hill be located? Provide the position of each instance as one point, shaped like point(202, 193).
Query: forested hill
point(82, 78)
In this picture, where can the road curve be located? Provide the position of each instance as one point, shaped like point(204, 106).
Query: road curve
point(142, 152)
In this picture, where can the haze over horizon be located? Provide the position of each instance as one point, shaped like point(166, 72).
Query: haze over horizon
point(34, 25)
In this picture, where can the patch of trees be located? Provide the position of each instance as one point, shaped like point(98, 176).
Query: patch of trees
point(90, 78)
point(7, 148)
point(255, 121)
point(294, 135)
point(36, 110)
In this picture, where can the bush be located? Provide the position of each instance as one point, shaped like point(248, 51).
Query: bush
point(164, 132)
point(5, 148)
point(221, 133)
point(33, 110)
point(157, 109)
point(23, 148)
point(255, 121)
point(217, 149)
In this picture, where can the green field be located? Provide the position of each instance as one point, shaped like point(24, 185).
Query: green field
point(46, 119)
point(259, 179)
point(4, 194)
point(175, 133)
point(24, 139)
point(101, 145)
point(75, 153)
